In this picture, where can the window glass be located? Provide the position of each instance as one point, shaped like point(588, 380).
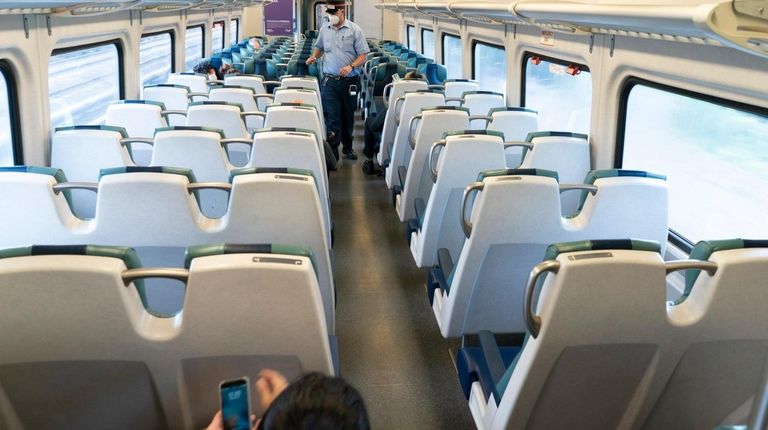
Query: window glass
point(234, 30)
point(715, 158)
point(217, 37)
point(193, 47)
point(452, 55)
point(155, 58)
point(428, 43)
point(411, 30)
point(320, 16)
point(490, 67)
point(81, 83)
point(561, 93)
point(6, 132)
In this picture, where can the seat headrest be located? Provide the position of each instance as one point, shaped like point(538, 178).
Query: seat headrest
point(705, 248)
point(216, 103)
point(230, 248)
point(536, 134)
point(511, 109)
point(292, 104)
point(233, 87)
point(121, 130)
point(596, 245)
point(475, 93)
point(190, 128)
point(168, 86)
point(284, 129)
point(516, 172)
point(279, 170)
point(456, 108)
point(57, 174)
point(140, 102)
point(148, 169)
point(594, 175)
point(477, 132)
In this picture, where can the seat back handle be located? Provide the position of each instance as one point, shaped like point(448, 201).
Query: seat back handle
point(132, 275)
point(465, 224)
point(533, 322)
point(432, 161)
point(414, 120)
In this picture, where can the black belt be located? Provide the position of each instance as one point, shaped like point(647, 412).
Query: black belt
point(340, 78)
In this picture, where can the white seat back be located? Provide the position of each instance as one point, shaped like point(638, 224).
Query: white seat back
point(568, 154)
point(308, 82)
point(254, 82)
point(219, 115)
point(196, 82)
point(242, 96)
point(515, 123)
point(434, 123)
point(139, 118)
point(304, 96)
point(461, 160)
point(174, 97)
point(400, 152)
point(291, 115)
point(455, 88)
point(480, 103)
point(399, 88)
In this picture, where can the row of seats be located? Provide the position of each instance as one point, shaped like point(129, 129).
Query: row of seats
point(155, 209)
point(81, 348)
point(603, 351)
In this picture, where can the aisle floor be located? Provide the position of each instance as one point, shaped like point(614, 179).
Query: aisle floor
point(390, 345)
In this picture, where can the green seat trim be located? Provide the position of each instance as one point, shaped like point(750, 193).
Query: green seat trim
point(190, 128)
point(140, 102)
point(517, 172)
point(58, 176)
point(288, 129)
point(596, 245)
point(121, 130)
point(705, 248)
point(301, 105)
point(433, 108)
point(470, 93)
point(230, 248)
point(594, 175)
point(511, 109)
point(214, 103)
point(149, 169)
point(256, 170)
point(537, 134)
point(127, 254)
point(498, 134)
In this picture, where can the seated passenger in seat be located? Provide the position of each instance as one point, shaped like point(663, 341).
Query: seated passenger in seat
point(374, 126)
point(204, 67)
point(315, 401)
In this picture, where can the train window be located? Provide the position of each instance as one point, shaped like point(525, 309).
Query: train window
point(82, 81)
point(234, 31)
point(193, 47)
point(217, 36)
point(713, 152)
point(452, 55)
point(560, 91)
point(155, 58)
point(10, 153)
point(489, 66)
point(428, 43)
point(411, 33)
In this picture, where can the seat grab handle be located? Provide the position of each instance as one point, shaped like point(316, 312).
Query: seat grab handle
point(132, 275)
point(432, 162)
point(465, 224)
point(533, 322)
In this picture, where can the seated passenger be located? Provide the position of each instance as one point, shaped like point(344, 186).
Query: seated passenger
point(254, 42)
point(374, 126)
point(315, 401)
point(204, 67)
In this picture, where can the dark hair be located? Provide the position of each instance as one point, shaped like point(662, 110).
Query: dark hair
point(413, 75)
point(202, 67)
point(317, 402)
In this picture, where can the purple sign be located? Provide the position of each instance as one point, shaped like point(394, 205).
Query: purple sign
point(278, 18)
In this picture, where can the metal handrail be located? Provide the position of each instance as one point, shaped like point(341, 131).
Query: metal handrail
point(465, 224)
point(431, 164)
point(707, 266)
point(533, 322)
point(411, 138)
point(132, 275)
point(90, 186)
point(591, 189)
point(223, 186)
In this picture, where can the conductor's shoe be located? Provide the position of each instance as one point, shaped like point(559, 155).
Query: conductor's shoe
point(350, 154)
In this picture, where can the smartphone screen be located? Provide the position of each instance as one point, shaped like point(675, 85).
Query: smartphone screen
point(235, 406)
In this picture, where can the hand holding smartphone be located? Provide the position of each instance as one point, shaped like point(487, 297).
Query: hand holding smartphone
point(235, 404)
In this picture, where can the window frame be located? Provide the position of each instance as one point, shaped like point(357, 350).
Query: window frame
point(223, 39)
point(237, 30)
point(527, 56)
point(201, 26)
point(443, 35)
point(408, 28)
point(421, 35)
point(120, 59)
point(476, 42)
point(173, 46)
point(631, 82)
point(6, 70)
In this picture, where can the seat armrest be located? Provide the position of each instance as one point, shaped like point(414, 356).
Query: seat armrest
point(494, 363)
point(421, 209)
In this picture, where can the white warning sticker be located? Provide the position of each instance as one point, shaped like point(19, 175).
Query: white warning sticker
point(547, 38)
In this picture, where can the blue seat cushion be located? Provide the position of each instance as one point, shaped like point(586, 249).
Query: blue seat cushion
point(472, 366)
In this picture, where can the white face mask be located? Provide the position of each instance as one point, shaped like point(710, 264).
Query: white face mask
point(334, 19)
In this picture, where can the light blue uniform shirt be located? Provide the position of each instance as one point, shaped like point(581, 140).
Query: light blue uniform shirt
point(341, 46)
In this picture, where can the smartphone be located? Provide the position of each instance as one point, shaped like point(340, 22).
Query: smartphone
point(235, 404)
point(353, 90)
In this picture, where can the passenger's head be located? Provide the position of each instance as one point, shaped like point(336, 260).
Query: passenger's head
point(413, 75)
point(317, 402)
point(335, 11)
point(203, 67)
point(254, 43)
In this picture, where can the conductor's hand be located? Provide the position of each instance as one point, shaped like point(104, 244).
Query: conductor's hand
point(345, 71)
point(311, 60)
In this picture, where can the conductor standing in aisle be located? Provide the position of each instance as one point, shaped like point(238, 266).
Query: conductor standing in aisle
point(342, 44)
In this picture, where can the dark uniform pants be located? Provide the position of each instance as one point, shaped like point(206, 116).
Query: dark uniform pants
point(339, 108)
